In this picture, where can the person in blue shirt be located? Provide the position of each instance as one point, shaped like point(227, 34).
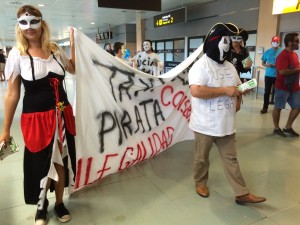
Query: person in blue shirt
point(269, 60)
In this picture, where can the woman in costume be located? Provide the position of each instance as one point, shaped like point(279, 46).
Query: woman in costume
point(47, 120)
point(239, 53)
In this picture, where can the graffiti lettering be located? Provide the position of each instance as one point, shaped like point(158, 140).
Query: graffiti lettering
point(223, 74)
point(178, 100)
point(221, 104)
point(122, 121)
point(86, 166)
point(155, 144)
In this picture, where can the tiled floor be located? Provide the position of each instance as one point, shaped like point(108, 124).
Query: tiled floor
point(160, 191)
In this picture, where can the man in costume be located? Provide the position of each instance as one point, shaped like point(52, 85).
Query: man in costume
point(215, 100)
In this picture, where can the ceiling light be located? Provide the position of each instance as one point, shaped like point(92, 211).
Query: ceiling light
point(41, 5)
point(92, 22)
point(228, 14)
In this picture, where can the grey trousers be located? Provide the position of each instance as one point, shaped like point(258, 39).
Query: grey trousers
point(227, 151)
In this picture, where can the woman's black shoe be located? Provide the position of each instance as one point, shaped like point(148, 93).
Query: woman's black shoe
point(62, 213)
point(41, 215)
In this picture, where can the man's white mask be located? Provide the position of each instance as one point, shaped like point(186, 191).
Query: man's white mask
point(27, 21)
point(275, 44)
point(146, 46)
point(224, 46)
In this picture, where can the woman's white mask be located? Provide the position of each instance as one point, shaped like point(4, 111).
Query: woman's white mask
point(275, 44)
point(27, 21)
point(224, 46)
point(147, 46)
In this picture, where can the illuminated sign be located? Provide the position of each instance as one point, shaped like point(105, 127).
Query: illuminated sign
point(153, 5)
point(169, 18)
point(104, 35)
point(287, 6)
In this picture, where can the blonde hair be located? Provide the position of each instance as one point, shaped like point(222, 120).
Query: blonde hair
point(47, 46)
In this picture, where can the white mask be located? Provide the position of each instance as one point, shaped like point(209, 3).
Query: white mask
point(236, 38)
point(275, 44)
point(147, 46)
point(224, 46)
point(27, 21)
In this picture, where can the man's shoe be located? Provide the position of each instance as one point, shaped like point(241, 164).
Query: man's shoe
point(291, 132)
point(279, 132)
point(249, 198)
point(62, 213)
point(263, 111)
point(41, 215)
point(202, 190)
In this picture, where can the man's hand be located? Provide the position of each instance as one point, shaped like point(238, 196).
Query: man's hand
point(232, 91)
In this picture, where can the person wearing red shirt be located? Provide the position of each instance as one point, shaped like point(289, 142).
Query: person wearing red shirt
point(287, 88)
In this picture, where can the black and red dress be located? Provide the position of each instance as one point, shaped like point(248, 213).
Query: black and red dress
point(47, 122)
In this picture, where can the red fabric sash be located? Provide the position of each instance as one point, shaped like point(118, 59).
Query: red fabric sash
point(38, 129)
point(69, 119)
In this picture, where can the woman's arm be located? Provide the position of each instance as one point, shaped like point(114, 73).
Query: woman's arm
point(71, 62)
point(11, 100)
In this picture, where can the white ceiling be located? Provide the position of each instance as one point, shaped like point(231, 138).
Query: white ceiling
point(60, 14)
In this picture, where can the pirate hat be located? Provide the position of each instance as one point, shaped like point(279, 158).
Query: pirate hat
point(217, 32)
point(244, 34)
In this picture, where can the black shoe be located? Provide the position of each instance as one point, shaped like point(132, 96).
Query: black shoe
point(62, 213)
point(279, 132)
point(41, 215)
point(271, 103)
point(263, 111)
point(291, 132)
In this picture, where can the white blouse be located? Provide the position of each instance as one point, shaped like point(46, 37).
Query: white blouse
point(17, 64)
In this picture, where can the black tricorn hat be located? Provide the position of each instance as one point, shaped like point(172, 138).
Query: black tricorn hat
point(244, 34)
point(218, 31)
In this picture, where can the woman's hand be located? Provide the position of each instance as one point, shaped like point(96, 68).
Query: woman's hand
point(4, 137)
point(71, 36)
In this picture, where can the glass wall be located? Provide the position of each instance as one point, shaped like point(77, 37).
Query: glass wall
point(171, 52)
point(194, 43)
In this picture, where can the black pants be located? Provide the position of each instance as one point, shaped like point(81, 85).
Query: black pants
point(269, 82)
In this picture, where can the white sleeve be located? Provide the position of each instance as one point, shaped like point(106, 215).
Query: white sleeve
point(198, 74)
point(12, 67)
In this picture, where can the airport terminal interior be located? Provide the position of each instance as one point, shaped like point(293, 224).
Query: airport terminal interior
point(161, 190)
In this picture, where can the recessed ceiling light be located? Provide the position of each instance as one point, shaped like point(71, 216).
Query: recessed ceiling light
point(92, 22)
point(41, 5)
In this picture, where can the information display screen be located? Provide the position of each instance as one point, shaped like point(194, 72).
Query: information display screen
point(287, 6)
point(169, 18)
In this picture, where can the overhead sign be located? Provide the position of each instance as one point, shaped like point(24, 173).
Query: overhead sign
point(104, 35)
point(169, 18)
point(287, 6)
point(153, 5)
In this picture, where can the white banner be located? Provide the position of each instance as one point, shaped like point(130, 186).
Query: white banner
point(124, 116)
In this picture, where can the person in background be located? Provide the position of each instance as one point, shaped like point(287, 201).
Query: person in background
point(2, 65)
point(211, 122)
point(287, 89)
point(269, 61)
point(49, 155)
point(120, 50)
point(239, 53)
point(148, 61)
point(107, 48)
